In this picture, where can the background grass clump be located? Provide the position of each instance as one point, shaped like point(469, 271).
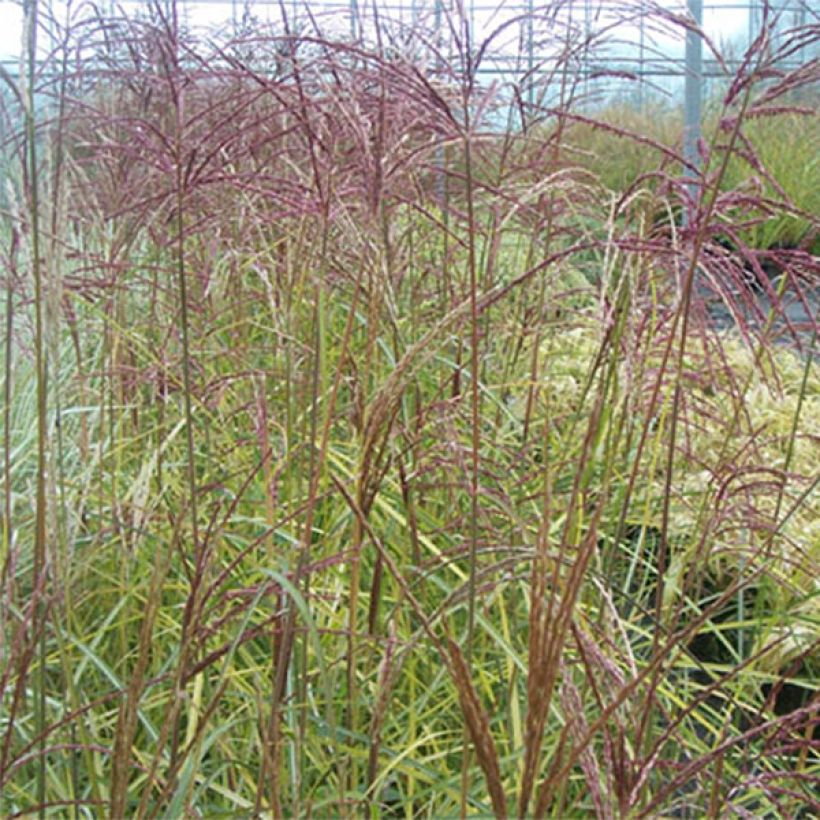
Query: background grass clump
point(361, 454)
point(779, 163)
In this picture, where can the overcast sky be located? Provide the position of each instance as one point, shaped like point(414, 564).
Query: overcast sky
point(728, 23)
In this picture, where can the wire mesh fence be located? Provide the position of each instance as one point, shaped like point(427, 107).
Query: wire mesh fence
point(626, 48)
point(591, 53)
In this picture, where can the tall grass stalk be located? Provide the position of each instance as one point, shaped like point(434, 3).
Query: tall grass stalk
point(8, 338)
point(300, 565)
point(39, 567)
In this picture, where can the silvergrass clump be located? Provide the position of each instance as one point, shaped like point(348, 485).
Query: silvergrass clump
point(373, 441)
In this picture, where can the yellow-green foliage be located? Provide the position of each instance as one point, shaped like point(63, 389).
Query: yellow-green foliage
point(758, 423)
point(616, 160)
point(737, 431)
point(788, 150)
point(794, 561)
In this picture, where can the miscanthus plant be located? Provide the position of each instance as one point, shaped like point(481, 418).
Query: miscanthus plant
point(362, 454)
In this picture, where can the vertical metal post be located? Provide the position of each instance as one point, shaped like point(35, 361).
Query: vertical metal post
point(530, 53)
point(587, 35)
point(440, 35)
point(441, 184)
point(471, 17)
point(755, 21)
point(693, 93)
point(642, 58)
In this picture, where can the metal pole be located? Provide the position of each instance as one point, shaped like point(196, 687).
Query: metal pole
point(441, 184)
point(642, 59)
point(755, 21)
point(587, 35)
point(693, 93)
point(530, 54)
